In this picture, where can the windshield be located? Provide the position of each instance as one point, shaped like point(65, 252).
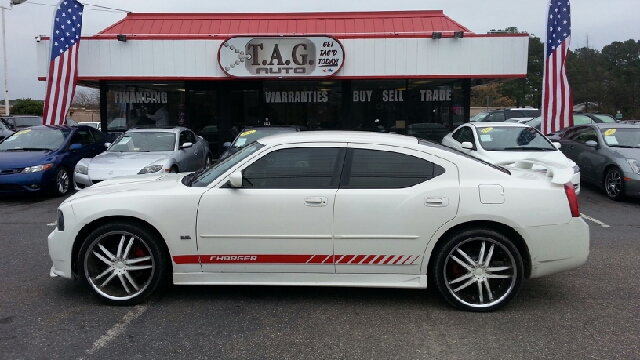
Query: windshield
point(460, 153)
point(605, 118)
point(221, 167)
point(35, 139)
point(621, 137)
point(581, 119)
point(250, 135)
point(511, 138)
point(144, 142)
point(28, 121)
point(479, 117)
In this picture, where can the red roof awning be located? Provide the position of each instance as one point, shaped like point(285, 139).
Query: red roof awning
point(338, 24)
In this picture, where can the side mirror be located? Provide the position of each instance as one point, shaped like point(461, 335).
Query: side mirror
point(226, 145)
point(107, 145)
point(592, 143)
point(557, 144)
point(75, 147)
point(235, 179)
point(186, 145)
point(467, 145)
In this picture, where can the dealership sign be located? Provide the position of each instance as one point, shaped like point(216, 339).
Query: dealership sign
point(295, 56)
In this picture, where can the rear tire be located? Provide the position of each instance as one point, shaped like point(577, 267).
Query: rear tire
point(123, 263)
point(477, 270)
point(614, 184)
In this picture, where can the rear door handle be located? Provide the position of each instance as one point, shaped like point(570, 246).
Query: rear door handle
point(315, 201)
point(437, 201)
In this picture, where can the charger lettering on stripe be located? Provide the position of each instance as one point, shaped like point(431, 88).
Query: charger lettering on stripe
point(298, 259)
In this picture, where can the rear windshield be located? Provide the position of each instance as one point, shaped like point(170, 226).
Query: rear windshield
point(460, 153)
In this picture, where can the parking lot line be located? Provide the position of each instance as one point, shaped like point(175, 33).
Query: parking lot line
point(117, 328)
point(594, 220)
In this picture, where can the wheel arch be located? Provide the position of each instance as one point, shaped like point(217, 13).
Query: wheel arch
point(90, 227)
point(506, 230)
point(606, 171)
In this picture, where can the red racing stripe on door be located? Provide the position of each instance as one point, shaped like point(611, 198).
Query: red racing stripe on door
point(186, 259)
point(264, 259)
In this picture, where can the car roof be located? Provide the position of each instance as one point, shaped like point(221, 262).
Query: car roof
point(167, 129)
point(498, 124)
point(339, 136)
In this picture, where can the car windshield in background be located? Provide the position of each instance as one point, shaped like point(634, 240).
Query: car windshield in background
point(212, 173)
point(28, 121)
point(144, 142)
point(581, 119)
point(628, 138)
point(251, 135)
point(460, 153)
point(605, 118)
point(35, 139)
point(511, 138)
point(528, 113)
point(479, 117)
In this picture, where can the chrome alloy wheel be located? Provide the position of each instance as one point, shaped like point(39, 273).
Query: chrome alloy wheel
point(613, 184)
point(480, 272)
point(62, 181)
point(119, 265)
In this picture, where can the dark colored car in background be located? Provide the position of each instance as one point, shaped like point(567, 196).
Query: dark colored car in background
point(252, 133)
point(500, 115)
point(42, 158)
point(608, 155)
point(5, 132)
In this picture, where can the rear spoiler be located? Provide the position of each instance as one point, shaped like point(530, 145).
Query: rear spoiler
point(559, 173)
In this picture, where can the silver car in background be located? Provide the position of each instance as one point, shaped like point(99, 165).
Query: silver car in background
point(608, 155)
point(145, 151)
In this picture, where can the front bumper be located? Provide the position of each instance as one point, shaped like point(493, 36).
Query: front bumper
point(81, 181)
point(557, 248)
point(60, 245)
point(632, 186)
point(23, 183)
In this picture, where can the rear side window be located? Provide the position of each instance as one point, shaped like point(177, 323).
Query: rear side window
point(294, 168)
point(373, 169)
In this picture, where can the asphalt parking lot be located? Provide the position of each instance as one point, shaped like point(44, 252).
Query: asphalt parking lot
point(591, 312)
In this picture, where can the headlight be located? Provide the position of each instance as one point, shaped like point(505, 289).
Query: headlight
point(37, 168)
point(60, 224)
point(81, 169)
point(150, 169)
point(576, 169)
point(635, 165)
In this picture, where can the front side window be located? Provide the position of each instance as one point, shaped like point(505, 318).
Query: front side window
point(82, 137)
point(466, 135)
point(294, 168)
point(585, 134)
point(144, 142)
point(374, 169)
point(204, 178)
point(511, 138)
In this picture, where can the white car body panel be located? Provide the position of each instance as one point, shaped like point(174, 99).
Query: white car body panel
point(351, 223)
point(504, 157)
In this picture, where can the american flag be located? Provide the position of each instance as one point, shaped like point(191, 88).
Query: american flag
point(63, 71)
point(557, 100)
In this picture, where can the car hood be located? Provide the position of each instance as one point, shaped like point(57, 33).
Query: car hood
point(502, 156)
point(627, 153)
point(21, 159)
point(110, 164)
point(129, 184)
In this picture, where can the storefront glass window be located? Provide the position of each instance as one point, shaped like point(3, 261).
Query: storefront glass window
point(140, 104)
point(378, 105)
point(436, 107)
point(309, 104)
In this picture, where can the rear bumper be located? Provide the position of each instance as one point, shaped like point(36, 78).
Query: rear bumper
point(557, 248)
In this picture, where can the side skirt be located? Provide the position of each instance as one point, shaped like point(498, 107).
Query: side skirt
point(299, 279)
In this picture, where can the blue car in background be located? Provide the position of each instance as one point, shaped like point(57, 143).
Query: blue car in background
point(42, 158)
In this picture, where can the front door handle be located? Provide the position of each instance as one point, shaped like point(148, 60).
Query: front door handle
point(315, 201)
point(436, 201)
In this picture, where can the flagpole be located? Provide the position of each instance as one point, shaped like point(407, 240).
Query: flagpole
point(6, 75)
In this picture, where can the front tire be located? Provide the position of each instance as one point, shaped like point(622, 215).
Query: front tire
point(122, 263)
point(62, 182)
point(614, 184)
point(478, 270)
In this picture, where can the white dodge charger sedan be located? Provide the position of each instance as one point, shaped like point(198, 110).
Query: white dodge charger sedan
point(507, 142)
point(329, 209)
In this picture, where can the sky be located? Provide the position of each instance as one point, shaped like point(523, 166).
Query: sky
point(594, 22)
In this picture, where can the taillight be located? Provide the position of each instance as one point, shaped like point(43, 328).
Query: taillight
point(573, 199)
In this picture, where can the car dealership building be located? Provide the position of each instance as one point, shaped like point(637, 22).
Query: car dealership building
point(409, 72)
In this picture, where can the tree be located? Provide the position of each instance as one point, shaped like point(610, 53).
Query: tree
point(27, 107)
point(528, 91)
point(87, 98)
point(489, 96)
